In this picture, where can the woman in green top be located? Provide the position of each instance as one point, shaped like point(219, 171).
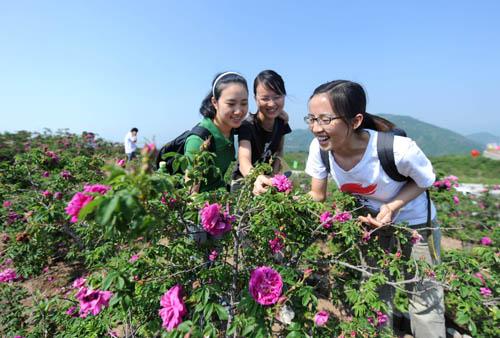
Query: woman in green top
point(223, 110)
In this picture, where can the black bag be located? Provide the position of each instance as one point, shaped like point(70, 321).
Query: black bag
point(385, 151)
point(177, 146)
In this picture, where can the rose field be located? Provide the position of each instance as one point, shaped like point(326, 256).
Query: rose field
point(92, 246)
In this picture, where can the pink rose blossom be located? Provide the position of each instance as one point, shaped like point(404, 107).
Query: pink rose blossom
point(326, 219)
point(486, 241)
point(276, 245)
point(78, 201)
point(485, 292)
point(92, 301)
point(452, 178)
point(172, 308)
point(58, 195)
point(282, 183)
point(381, 319)
point(321, 318)
point(213, 221)
point(46, 193)
point(213, 256)
point(456, 200)
point(7, 204)
point(343, 217)
point(121, 163)
point(45, 174)
point(265, 285)
point(416, 237)
point(65, 174)
point(99, 188)
point(480, 276)
point(8, 275)
point(133, 258)
point(366, 236)
point(71, 311)
point(79, 282)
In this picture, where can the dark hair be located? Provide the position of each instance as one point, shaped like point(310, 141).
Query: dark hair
point(348, 99)
point(271, 80)
point(207, 109)
point(134, 129)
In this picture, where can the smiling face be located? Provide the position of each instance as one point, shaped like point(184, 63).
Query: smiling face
point(269, 103)
point(331, 135)
point(231, 107)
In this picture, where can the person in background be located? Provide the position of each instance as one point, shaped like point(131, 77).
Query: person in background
point(131, 143)
point(262, 135)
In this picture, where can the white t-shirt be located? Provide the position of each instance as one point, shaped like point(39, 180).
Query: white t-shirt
point(130, 143)
point(369, 182)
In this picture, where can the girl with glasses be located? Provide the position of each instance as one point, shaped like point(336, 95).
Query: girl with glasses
point(261, 135)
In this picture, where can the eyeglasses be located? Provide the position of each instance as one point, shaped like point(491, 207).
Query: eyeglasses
point(267, 99)
point(323, 120)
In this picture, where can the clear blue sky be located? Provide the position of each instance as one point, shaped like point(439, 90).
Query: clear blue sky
point(106, 66)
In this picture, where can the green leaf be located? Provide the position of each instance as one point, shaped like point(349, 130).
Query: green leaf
point(221, 312)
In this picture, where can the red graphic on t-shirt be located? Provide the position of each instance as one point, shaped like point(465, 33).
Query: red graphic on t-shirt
point(356, 188)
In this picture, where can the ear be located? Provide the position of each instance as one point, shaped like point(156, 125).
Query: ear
point(214, 103)
point(357, 121)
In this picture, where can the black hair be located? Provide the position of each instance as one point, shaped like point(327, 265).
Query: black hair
point(134, 129)
point(207, 109)
point(348, 99)
point(271, 80)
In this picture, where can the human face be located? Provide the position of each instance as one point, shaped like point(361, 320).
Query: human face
point(332, 135)
point(269, 103)
point(231, 107)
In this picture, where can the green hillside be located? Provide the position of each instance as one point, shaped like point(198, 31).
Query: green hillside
point(434, 141)
point(484, 138)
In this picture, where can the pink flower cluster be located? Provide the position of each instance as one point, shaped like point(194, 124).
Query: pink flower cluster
point(214, 221)
point(485, 292)
point(456, 200)
point(321, 318)
point(282, 183)
point(446, 183)
point(7, 204)
point(65, 174)
point(8, 275)
point(90, 301)
point(81, 199)
point(213, 256)
point(172, 308)
point(265, 285)
point(121, 163)
point(327, 220)
point(381, 319)
point(52, 155)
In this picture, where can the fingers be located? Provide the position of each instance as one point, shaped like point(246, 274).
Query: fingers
point(368, 219)
point(261, 184)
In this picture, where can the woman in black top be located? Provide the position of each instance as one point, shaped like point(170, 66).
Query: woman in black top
point(261, 135)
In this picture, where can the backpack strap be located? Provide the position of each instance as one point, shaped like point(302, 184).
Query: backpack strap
point(204, 134)
point(326, 160)
point(385, 151)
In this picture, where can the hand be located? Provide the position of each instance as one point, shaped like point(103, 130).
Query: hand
point(384, 217)
point(284, 116)
point(261, 184)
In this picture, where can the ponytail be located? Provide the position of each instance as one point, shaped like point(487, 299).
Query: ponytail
point(375, 122)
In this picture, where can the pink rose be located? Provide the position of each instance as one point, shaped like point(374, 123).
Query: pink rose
point(92, 301)
point(133, 258)
point(79, 282)
point(282, 183)
point(45, 174)
point(381, 319)
point(8, 275)
point(486, 241)
point(121, 163)
point(58, 195)
point(343, 217)
point(173, 308)
point(46, 193)
point(456, 200)
point(416, 237)
point(7, 204)
point(321, 318)
point(213, 256)
point(213, 221)
point(265, 285)
point(485, 292)
point(99, 188)
point(480, 276)
point(76, 204)
point(326, 219)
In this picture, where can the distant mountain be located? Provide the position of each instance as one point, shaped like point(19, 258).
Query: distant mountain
point(484, 138)
point(433, 140)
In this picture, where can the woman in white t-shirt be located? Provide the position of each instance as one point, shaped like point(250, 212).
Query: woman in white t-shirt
point(338, 119)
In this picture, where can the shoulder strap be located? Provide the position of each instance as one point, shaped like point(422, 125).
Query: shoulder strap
point(385, 151)
point(326, 160)
point(204, 133)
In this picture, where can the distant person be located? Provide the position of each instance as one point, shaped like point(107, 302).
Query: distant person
point(223, 110)
point(262, 135)
point(131, 143)
point(348, 135)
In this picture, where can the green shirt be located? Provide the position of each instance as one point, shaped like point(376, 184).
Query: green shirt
point(224, 153)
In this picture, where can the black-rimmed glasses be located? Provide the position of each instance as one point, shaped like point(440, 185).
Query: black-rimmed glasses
point(323, 120)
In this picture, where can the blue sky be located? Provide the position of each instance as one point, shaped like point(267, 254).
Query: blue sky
point(105, 66)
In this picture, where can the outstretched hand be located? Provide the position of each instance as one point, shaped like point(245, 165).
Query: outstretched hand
point(261, 184)
point(384, 217)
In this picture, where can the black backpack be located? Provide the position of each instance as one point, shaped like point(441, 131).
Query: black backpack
point(177, 146)
point(385, 151)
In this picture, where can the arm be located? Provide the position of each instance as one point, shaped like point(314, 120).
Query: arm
point(245, 157)
point(409, 192)
point(318, 189)
point(279, 153)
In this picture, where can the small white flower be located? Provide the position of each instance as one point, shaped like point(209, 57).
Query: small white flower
point(286, 315)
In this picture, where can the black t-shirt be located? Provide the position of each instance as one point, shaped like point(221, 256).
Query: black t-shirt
point(260, 139)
